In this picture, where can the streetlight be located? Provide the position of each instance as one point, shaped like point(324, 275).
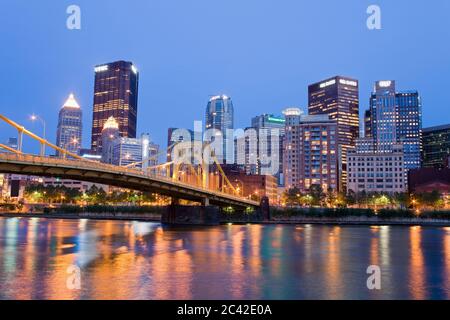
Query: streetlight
point(34, 118)
point(239, 188)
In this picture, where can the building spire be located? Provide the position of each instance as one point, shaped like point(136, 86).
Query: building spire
point(111, 123)
point(71, 102)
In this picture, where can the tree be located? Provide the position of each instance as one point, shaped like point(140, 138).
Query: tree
point(292, 197)
point(382, 201)
point(331, 197)
point(402, 199)
point(317, 194)
point(96, 195)
point(341, 200)
point(350, 198)
point(362, 198)
point(430, 199)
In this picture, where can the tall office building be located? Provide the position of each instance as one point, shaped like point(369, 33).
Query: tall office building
point(396, 117)
point(268, 128)
point(220, 116)
point(110, 133)
point(338, 97)
point(115, 95)
point(367, 124)
point(70, 128)
point(139, 151)
point(436, 147)
point(310, 151)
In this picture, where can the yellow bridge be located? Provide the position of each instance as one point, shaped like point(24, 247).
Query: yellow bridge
point(72, 166)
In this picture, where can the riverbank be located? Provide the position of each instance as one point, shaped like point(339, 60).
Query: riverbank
point(154, 217)
point(363, 221)
point(151, 217)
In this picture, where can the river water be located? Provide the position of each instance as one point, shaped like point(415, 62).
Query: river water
point(87, 259)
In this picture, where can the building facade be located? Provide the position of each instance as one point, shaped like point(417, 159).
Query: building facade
point(427, 180)
point(220, 117)
point(5, 179)
point(110, 133)
point(338, 97)
point(436, 146)
point(252, 186)
point(269, 133)
point(115, 95)
point(70, 126)
point(73, 184)
point(310, 151)
point(140, 153)
point(370, 170)
point(396, 117)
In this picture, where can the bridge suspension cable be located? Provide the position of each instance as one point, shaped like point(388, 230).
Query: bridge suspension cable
point(21, 130)
point(152, 157)
point(202, 173)
point(2, 146)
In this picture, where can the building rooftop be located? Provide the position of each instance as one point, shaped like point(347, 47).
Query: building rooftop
point(437, 128)
point(71, 102)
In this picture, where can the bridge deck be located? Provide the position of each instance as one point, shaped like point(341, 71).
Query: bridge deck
point(122, 177)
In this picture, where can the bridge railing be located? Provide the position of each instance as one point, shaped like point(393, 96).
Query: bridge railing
point(91, 165)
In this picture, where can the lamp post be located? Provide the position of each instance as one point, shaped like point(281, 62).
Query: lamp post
point(34, 118)
point(241, 188)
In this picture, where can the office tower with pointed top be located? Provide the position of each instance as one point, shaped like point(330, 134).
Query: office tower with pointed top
point(70, 126)
point(115, 95)
point(110, 133)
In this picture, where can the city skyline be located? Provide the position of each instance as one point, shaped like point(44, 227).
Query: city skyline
point(267, 74)
point(245, 153)
point(362, 117)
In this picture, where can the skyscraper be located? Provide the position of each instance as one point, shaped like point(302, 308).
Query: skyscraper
point(367, 124)
point(115, 95)
point(266, 126)
point(140, 151)
point(310, 151)
point(69, 132)
point(396, 117)
point(436, 146)
point(110, 133)
point(220, 116)
point(338, 97)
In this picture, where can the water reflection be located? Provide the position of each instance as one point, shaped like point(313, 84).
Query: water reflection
point(139, 260)
point(446, 253)
point(417, 268)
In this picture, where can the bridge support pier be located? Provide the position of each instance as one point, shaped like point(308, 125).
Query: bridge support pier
point(204, 214)
point(265, 209)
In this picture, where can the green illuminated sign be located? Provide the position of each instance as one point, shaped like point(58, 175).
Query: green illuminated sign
point(277, 120)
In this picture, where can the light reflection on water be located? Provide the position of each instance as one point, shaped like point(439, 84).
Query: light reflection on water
point(139, 260)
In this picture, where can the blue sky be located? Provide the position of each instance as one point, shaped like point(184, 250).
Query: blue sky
point(262, 53)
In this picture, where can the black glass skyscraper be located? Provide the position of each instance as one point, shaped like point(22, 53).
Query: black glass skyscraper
point(115, 95)
point(436, 146)
point(338, 97)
